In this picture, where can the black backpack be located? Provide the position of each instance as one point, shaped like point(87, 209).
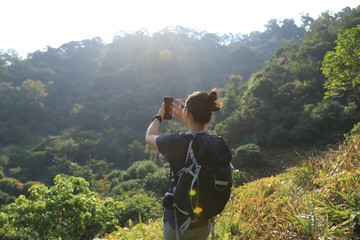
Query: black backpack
point(203, 187)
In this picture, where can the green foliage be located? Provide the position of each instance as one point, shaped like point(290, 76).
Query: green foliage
point(14, 171)
point(5, 198)
point(303, 132)
point(123, 188)
point(140, 205)
point(240, 178)
point(27, 186)
point(158, 182)
point(278, 136)
point(94, 117)
point(95, 94)
point(63, 145)
point(248, 155)
point(341, 66)
point(136, 152)
point(13, 134)
point(4, 160)
point(63, 165)
point(115, 177)
point(351, 110)
point(303, 177)
point(67, 210)
point(11, 186)
point(155, 156)
point(140, 169)
point(36, 162)
point(83, 171)
point(32, 90)
point(283, 104)
point(317, 200)
point(353, 132)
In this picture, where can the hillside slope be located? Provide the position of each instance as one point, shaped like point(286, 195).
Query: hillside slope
point(318, 200)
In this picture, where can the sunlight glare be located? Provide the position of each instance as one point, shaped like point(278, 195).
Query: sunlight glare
point(165, 55)
point(197, 210)
point(192, 192)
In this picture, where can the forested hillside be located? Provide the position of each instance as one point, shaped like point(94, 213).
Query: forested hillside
point(90, 100)
point(283, 103)
point(82, 110)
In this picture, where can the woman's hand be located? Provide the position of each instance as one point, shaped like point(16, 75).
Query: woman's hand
point(178, 110)
point(161, 112)
point(152, 131)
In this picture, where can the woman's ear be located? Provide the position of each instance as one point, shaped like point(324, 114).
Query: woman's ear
point(187, 113)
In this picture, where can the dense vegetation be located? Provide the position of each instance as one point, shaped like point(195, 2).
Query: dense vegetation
point(316, 200)
point(81, 110)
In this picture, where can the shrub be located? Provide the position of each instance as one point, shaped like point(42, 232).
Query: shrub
point(239, 178)
point(145, 206)
point(136, 151)
point(140, 169)
point(278, 136)
point(157, 182)
point(132, 184)
point(303, 132)
point(2, 175)
point(13, 134)
point(248, 155)
point(37, 162)
point(67, 210)
point(303, 177)
point(353, 132)
point(11, 186)
point(115, 177)
point(5, 198)
point(28, 185)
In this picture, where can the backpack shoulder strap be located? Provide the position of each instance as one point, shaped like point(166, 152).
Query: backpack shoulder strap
point(173, 174)
point(173, 178)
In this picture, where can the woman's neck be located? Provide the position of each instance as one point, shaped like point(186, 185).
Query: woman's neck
point(195, 127)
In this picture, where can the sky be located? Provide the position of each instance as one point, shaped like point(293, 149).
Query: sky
point(31, 25)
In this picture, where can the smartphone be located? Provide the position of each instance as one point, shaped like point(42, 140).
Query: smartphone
point(168, 107)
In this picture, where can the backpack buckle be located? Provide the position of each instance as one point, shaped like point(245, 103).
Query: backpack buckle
point(197, 170)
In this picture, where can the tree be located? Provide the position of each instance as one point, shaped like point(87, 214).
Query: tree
point(140, 169)
point(11, 186)
point(157, 182)
point(32, 90)
point(248, 155)
point(136, 151)
point(67, 210)
point(341, 67)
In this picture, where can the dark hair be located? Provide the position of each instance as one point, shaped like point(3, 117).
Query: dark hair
point(202, 104)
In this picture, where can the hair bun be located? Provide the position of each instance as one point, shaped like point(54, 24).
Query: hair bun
point(213, 95)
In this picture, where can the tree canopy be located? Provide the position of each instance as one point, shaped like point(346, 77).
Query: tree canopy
point(341, 67)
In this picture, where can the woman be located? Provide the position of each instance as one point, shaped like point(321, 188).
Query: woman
point(195, 114)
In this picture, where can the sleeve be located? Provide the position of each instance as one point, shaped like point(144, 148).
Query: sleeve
point(164, 144)
point(174, 149)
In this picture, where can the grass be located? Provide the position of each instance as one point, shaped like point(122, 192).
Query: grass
point(318, 200)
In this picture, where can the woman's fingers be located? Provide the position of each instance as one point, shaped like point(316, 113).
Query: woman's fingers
point(178, 109)
point(179, 101)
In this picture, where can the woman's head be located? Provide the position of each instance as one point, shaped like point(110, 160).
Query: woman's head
point(202, 104)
